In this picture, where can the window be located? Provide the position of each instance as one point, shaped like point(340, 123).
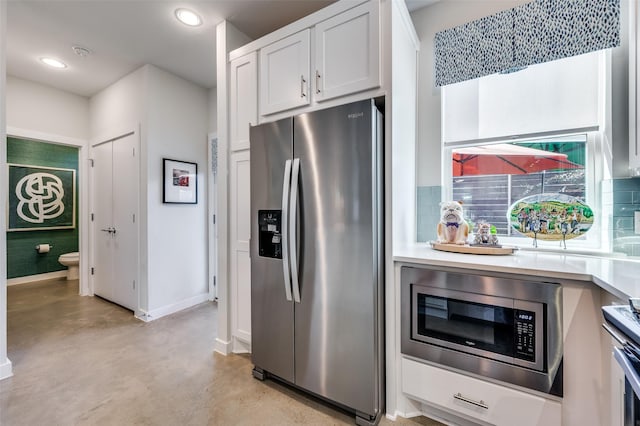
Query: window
point(488, 179)
point(542, 130)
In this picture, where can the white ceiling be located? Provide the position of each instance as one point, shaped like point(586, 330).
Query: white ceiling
point(126, 34)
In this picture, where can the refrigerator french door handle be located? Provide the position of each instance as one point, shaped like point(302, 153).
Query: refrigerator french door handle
point(286, 185)
point(293, 222)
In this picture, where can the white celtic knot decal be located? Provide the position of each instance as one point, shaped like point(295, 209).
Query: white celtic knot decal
point(40, 196)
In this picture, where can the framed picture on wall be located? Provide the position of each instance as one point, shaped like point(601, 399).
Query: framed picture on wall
point(41, 198)
point(180, 182)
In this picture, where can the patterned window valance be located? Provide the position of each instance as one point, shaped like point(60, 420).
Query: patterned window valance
point(536, 32)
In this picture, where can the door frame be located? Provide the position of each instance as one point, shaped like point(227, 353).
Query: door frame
point(212, 216)
point(83, 186)
point(121, 133)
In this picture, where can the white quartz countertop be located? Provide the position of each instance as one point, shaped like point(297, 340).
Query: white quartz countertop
point(620, 277)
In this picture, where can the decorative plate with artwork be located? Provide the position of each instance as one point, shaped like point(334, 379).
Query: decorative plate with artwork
point(552, 217)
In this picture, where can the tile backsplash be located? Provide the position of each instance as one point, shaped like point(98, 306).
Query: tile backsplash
point(428, 214)
point(623, 198)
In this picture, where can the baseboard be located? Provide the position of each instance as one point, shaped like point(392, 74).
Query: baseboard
point(6, 370)
point(154, 314)
point(240, 346)
point(35, 278)
point(222, 347)
point(397, 414)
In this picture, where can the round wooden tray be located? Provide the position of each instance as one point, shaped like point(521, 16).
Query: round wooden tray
point(467, 249)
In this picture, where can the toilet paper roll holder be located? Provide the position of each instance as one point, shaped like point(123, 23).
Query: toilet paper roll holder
point(38, 247)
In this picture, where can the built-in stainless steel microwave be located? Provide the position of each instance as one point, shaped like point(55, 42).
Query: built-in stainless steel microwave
point(505, 328)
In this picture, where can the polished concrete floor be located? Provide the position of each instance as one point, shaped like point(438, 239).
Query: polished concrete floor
point(84, 361)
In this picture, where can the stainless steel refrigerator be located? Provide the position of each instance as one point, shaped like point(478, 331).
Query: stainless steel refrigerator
point(317, 255)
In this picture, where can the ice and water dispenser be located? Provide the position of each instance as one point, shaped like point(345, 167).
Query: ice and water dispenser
point(270, 236)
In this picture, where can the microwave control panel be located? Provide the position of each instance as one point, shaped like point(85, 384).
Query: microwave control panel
point(270, 233)
point(525, 335)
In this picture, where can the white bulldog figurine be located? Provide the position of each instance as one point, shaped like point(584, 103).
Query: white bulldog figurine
point(452, 229)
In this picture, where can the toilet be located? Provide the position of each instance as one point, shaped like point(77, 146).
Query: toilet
point(72, 262)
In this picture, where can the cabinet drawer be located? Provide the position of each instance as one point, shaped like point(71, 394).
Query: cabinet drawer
point(475, 399)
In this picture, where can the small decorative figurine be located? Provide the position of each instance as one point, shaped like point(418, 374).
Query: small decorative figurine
point(452, 229)
point(484, 237)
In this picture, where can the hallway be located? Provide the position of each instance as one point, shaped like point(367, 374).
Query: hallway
point(83, 361)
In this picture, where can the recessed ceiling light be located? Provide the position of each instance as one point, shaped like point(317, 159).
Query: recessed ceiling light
point(54, 63)
point(188, 17)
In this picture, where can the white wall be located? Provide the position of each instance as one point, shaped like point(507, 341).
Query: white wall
point(213, 110)
point(39, 108)
point(118, 109)
point(115, 111)
point(176, 128)
point(172, 117)
point(5, 364)
point(36, 111)
point(429, 20)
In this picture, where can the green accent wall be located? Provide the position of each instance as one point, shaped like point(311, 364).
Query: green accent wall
point(22, 258)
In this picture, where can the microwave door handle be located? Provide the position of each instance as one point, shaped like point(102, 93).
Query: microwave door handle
point(286, 185)
point(293, 223)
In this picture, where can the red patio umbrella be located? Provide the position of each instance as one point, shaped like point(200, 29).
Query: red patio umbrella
point(507, 159)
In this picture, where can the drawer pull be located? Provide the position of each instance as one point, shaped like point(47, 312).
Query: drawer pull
point(480, 404)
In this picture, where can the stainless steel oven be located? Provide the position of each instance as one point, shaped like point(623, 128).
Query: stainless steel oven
point(495, 326)
point(623, 323)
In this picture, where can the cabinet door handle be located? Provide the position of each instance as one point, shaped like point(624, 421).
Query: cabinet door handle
point(480, 403)
point(317, 82)
point(302, 82)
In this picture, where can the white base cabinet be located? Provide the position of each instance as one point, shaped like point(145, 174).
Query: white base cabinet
point(476, 400)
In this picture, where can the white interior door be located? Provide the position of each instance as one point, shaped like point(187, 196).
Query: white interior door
point(125, 223)
point(102, 221)
point(116, 189)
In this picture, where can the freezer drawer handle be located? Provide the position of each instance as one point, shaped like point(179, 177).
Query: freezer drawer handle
point(462, 398)
point(286, 184)
point(293, 215)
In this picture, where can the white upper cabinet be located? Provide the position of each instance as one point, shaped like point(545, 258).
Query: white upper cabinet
point(243, 110)
point(335, 57)
point(347, 54)
point(284, 73)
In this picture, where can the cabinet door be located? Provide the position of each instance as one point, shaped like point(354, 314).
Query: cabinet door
point(284, 74)
point(243, 104)
point(240, 234)
point(347, 51)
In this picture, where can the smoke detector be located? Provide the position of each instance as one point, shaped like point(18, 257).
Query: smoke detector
point(83, 52)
